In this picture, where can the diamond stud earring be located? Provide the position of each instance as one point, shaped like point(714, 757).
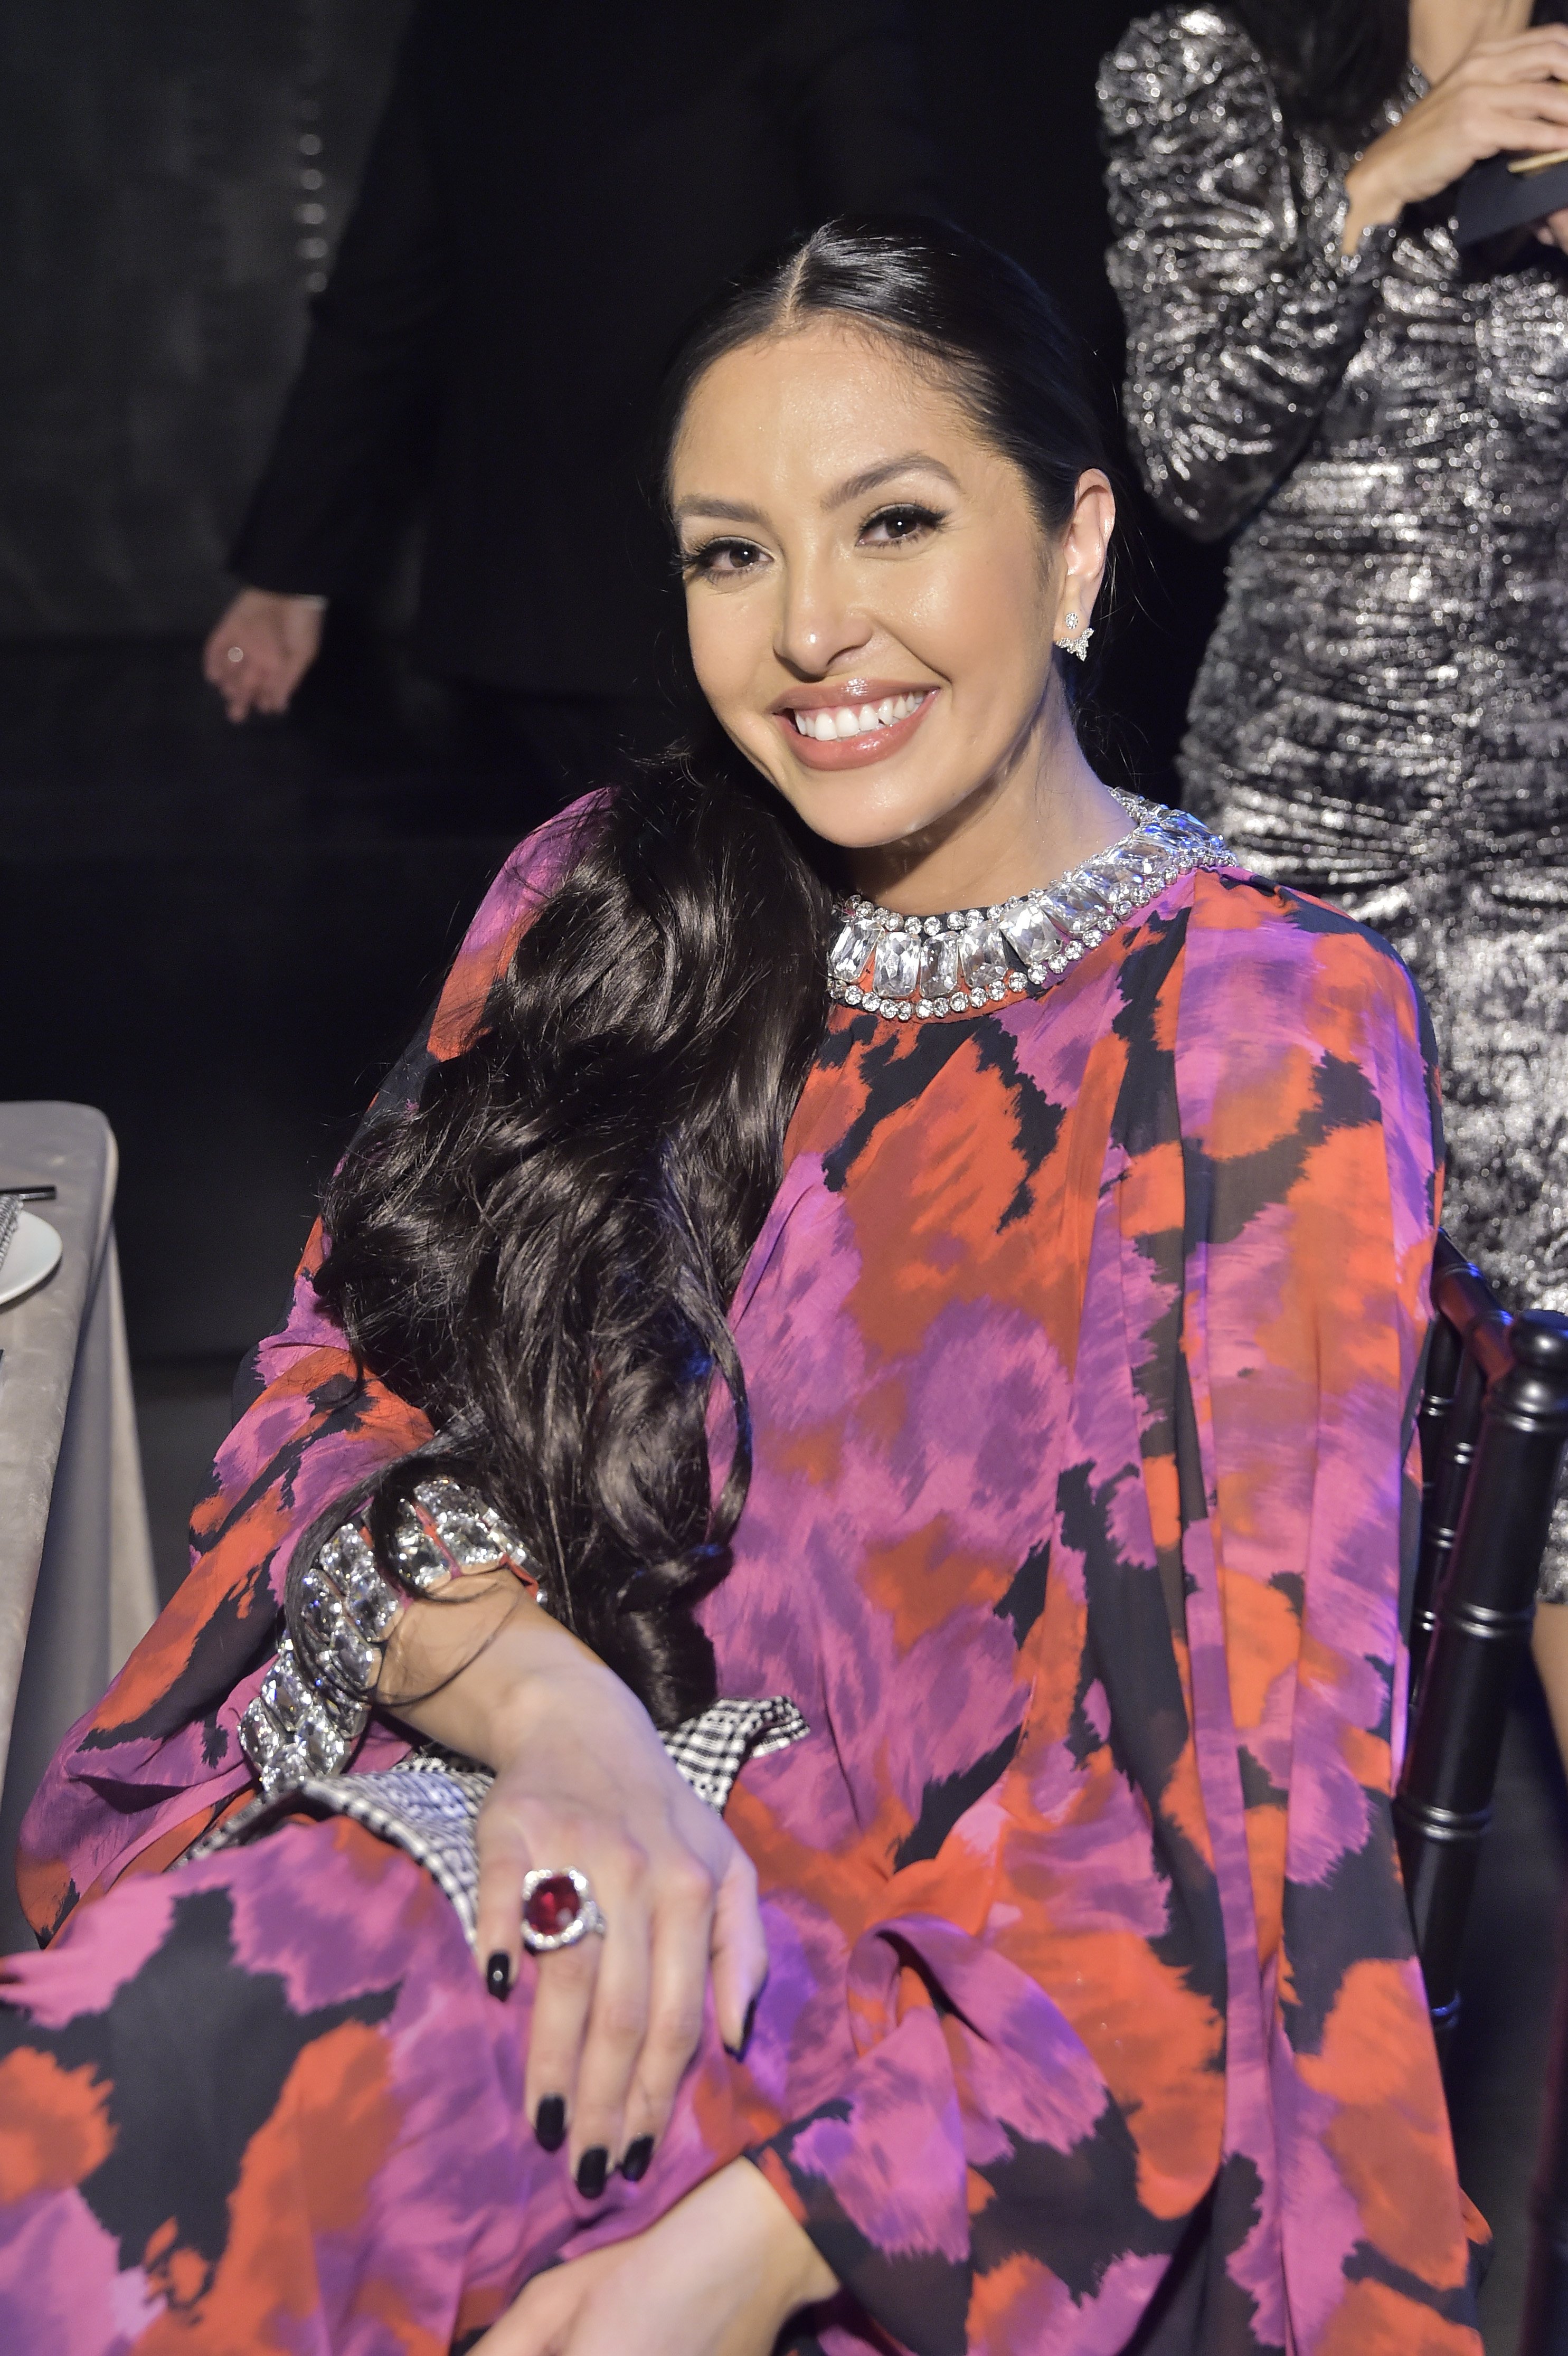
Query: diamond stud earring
point(1076, 641)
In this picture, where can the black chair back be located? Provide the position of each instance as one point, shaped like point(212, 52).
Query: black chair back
point(1493, 1425)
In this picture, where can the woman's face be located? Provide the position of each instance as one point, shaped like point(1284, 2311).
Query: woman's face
point(871, 598)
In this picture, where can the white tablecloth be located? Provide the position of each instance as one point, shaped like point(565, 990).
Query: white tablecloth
point(77, 1589)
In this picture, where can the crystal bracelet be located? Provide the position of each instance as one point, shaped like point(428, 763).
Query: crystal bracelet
point(315, 1700)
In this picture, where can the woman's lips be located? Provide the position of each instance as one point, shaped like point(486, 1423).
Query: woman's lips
point(906, 709)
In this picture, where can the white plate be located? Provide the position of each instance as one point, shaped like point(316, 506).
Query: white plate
point(34, 1254)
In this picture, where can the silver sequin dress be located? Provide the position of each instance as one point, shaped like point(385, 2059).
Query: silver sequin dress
point(1383, 713)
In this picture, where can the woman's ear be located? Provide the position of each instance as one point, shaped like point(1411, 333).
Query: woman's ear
point(1085, 547)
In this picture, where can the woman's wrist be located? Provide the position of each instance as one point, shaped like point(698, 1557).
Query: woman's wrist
point(481, 1672)
point(786, 2259)
point(1373, 203)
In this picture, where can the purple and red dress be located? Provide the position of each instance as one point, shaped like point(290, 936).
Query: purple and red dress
point(1083, 1344)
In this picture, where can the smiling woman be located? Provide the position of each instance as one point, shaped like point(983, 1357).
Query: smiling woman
point(826, 1529)
point(905, 606)
point(902, 602)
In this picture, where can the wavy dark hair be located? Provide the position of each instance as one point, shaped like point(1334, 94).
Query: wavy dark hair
point(542, 1254)
point(1334, 63)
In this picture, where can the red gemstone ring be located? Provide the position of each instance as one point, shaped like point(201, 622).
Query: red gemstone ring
point(558, 1909)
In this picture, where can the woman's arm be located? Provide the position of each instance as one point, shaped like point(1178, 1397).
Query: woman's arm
point(583, 1780)
point(1242, 308)
point(720, 2275)
point(1504, 96)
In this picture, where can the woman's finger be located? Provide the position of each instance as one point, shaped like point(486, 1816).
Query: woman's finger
point(562, 2003)
point(505, 1856)
point(1541, 128)
point(1541, 52)
point(740, 1950)
point(617, 2026)
point(1542, 94)
point(509, 1848)
point(682, 1941)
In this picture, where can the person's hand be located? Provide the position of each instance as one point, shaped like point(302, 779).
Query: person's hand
point(719, 2276)
point(582, 1780)
point(1503, 96)
point(1553, 229)
point(262, 649)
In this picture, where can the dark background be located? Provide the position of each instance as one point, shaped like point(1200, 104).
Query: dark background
point(219, 936)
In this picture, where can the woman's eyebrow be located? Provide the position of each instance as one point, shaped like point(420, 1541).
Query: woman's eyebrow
point(873, 478)
point(726, 510)
point(854, 486)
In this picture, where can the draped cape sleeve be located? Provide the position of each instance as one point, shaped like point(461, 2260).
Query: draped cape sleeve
point(1135, 2012)
point(149, 1769)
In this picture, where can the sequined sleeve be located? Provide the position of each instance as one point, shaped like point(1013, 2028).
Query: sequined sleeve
point(1243, 311)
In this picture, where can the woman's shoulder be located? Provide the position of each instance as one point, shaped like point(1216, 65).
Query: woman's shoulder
point(1279, 951)
point(529, 874)
point(1166, 65)
point(527, 878)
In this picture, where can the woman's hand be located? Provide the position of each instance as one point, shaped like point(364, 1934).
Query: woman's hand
point(1503, 96)
point(583, 1780)
point(260, 650)
point(719, 2276)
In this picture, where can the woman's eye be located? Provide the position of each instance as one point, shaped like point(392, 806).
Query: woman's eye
point(896, 527)
point(722, 559)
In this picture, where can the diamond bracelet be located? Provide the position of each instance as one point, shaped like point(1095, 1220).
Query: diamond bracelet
point(315, 1700)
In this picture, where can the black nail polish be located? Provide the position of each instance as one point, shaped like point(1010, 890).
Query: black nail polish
point(634, 2166)
point(550, 2123)
point(737, 2052)
point(498, 1975)
point(592, 2170)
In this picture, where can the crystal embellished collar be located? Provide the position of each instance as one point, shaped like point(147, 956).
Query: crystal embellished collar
point(907, 966)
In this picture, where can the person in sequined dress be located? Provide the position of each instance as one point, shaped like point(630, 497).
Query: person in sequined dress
point(1382, 712)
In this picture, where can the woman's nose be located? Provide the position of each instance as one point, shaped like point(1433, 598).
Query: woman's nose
point(817, 624)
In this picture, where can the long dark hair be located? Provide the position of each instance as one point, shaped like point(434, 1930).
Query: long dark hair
point(541, 1256)
point(1334, 63)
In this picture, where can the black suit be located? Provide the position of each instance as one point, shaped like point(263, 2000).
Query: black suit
point(551, 194)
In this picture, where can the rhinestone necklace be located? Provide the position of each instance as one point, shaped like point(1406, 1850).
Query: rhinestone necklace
point(904, 965)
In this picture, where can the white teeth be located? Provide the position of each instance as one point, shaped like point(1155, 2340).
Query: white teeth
point(830, 724)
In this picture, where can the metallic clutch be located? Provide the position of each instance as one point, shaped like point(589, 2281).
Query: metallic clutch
point(1507, 193)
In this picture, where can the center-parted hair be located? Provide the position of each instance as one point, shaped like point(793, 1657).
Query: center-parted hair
point(541, 1256)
